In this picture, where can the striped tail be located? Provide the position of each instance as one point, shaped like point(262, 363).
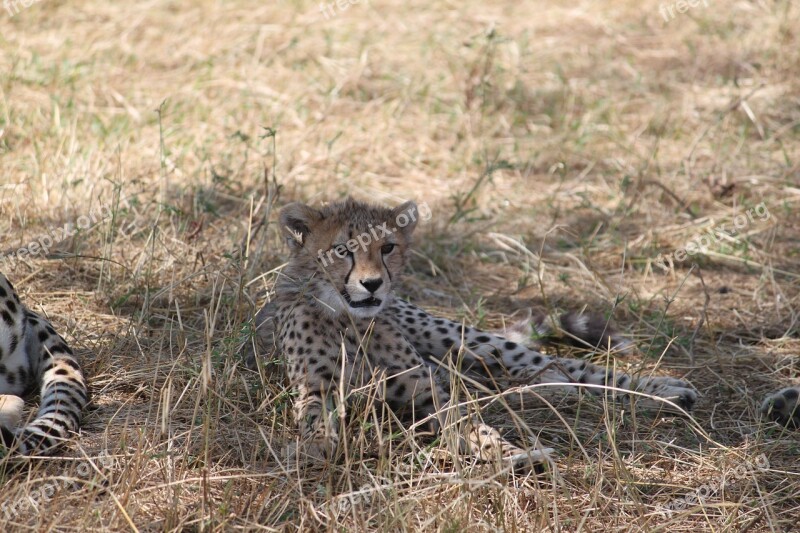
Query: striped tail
point(63, 394)
point(579, 329)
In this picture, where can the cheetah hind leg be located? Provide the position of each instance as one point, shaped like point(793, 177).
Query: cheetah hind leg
point(486, 443)
point(783, 407)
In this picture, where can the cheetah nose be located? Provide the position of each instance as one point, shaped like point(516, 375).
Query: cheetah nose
point(372, 285)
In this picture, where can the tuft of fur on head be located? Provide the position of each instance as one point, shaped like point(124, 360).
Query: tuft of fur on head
point(346, 255)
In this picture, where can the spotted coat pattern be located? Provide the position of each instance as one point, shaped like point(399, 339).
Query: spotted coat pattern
point(338, 324)
point(33, 356)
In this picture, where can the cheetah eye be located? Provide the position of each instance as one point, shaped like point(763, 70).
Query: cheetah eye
point(341, 251)
point(387, 248)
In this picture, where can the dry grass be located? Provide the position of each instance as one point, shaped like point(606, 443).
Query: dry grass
point(561, 147)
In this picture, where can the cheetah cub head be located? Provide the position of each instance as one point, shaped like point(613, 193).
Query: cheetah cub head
point(346, 255)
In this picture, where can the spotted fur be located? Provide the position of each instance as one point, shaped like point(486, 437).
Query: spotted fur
point(336, 321)
point(33, 355)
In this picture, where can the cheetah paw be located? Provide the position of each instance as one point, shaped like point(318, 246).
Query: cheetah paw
point(486, 443)
point(538, 460)
point(310, 452)
point(675, 390)
point(11, 411)
point(783, 407)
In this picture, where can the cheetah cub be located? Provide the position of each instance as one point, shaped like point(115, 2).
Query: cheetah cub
point(33, 355)
point(338, 324)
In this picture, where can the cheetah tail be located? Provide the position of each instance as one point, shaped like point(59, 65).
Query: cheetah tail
point(579, 329)
point(63, 397)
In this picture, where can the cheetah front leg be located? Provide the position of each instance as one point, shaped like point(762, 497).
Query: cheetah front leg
point(317, 422)
point(316, 378)
point(318, 375)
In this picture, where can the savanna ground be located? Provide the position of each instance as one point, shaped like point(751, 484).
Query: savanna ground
point(561, 147)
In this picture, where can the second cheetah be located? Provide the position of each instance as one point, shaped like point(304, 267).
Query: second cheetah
point(33, 356)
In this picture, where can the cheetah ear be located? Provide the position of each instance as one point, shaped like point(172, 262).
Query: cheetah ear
point(404, 218)
point(297, 221)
